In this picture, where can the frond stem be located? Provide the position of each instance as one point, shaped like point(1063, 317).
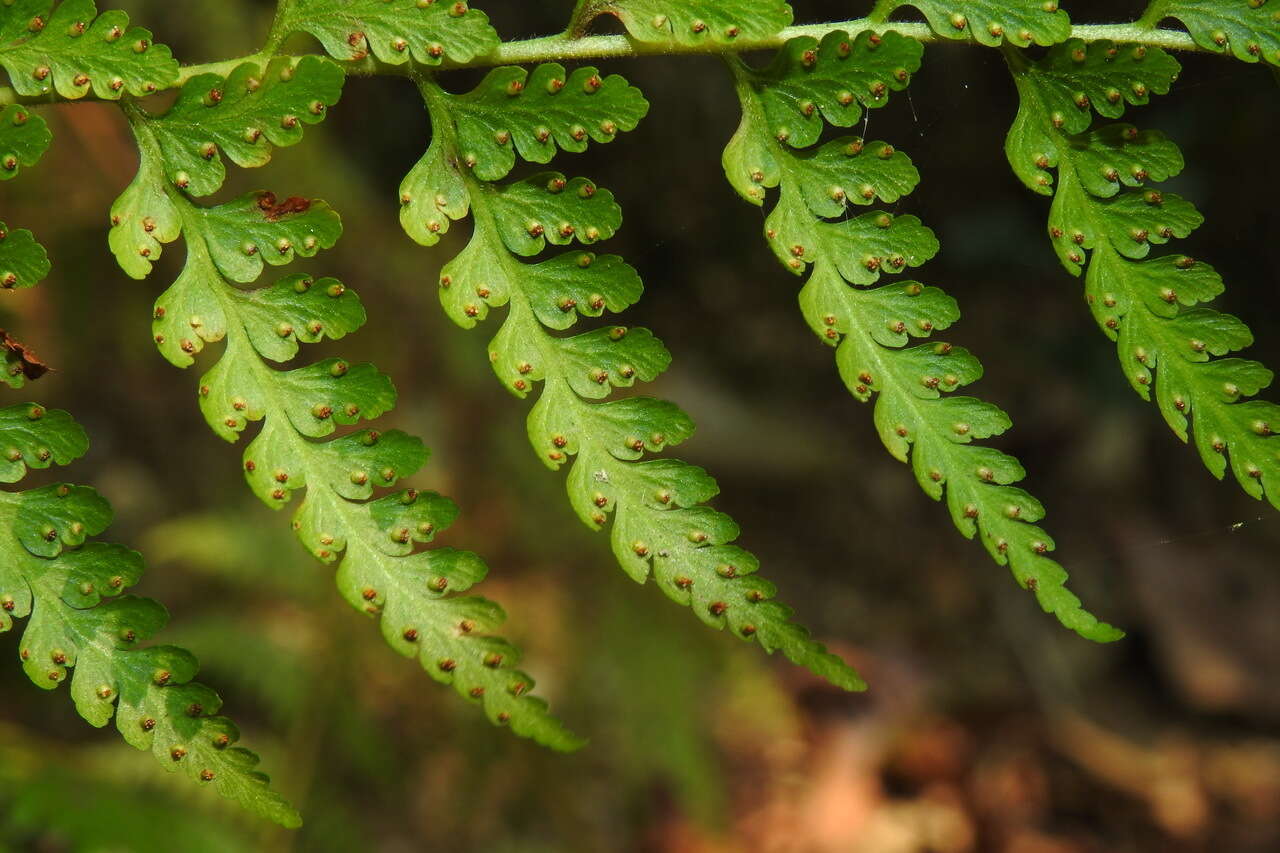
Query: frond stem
point(566, 46)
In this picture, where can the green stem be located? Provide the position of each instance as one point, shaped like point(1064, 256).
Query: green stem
point(584, 12)
point(280, 27)
point(1016, 60)
point(1154, 14)
point(564, 47)
point(881, 11)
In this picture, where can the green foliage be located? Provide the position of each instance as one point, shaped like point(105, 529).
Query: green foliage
point(242, 115)
point(514, 111)
point(394, 31)
point(661, 526)
point(34, 437)
point(13, 375)
point(872, 330)
point(314, 437)
point(23, 139)
point(989, 22)
point(1246, 29)
point(80, 627)
point(691, 21)
point(1070, 81)
point(70, 49)
point(810, 82)
point(512, 114)
point(1103, 222)
point(23, 261)
point(788, 101)
point(236, 238)
point(381, 571)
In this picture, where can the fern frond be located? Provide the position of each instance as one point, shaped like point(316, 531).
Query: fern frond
point(68, 48)
point(394, 31)
point(1103, 222)
point(991, 22)
point(690, 21)
point(411, 591)
point(661, 526)
point(810, 230)
point(1246, 29)
point(82, 628)
point(24, 138)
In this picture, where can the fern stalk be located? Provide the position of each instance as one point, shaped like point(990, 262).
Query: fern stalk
point(565, 47)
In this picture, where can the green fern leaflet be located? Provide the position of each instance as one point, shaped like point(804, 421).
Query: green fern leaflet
point(82, 629)
point(1104, 220)
point(810, 230)
point(72, 50)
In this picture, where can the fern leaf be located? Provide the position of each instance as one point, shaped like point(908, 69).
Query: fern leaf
point(809, 82)
point(691, 21)
point(192, 313)
point(242, 116)
point(812, 82)
point(1246, 29)
point(23, 139)
point(81, 628)
point(989, 22)
point(512, 113)
point(70, 49)
point(34, 437)
point(411, 592)
point(394, 31)
point(144, 217)
point(661, 527)
point(23, 261)
point(809, 228)
point(1103, 221)
point(1073, 81)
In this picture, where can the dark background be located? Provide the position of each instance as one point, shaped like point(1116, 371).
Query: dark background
point(988, 727)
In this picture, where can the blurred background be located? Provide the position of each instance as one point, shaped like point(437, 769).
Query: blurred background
point(987, 728)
